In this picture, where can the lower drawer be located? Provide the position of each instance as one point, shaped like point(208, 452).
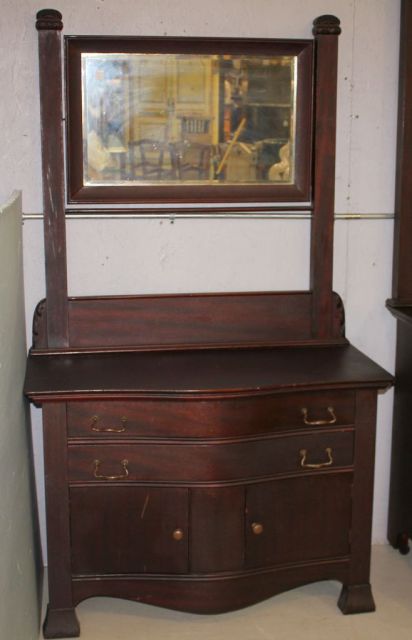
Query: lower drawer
point(188, 462)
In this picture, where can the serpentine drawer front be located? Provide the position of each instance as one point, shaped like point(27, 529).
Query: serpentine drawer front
point(210, 462)
point(223, 518)
point(203, 418)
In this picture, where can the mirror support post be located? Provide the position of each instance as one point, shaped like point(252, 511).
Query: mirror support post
point(326, 30)
point(49, 25)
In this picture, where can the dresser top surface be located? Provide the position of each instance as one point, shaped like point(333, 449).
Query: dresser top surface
point(199, 373)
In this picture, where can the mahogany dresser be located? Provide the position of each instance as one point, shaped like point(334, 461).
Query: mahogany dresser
point(203, 452)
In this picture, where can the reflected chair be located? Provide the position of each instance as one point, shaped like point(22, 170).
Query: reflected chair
point(192, 156)
point(191, 160)
point(147, 160)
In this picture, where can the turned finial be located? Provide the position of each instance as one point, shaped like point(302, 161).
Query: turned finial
point(326, 26)
point(49, 19)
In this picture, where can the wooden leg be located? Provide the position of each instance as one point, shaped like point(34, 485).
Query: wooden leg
point(61, 623)
point(356, 598)
point(356, 595)
point(402, 543)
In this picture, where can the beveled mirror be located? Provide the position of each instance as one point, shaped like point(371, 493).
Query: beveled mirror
point(188, 120)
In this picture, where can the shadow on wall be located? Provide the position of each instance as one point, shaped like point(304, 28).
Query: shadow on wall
point(20, 558)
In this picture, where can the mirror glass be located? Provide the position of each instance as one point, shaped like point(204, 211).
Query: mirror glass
point(188, 118)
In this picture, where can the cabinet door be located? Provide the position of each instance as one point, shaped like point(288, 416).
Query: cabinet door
point(129, 530)
point(298, 519)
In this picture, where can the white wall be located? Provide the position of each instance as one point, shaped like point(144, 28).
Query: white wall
point(131, 256)
point(19, 566)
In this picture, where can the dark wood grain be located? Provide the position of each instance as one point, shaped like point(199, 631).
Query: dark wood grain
point(362, 495)
point(128, 530)
point(321, 267)
point(300, 505)
point(199, 373)
point(61, 616)
point(215, 593)
point(57, 504)
point(400, 311)
point(174, 462)
point(326, 25)
point(208, 319)
point(208, 418)
point(217, 529)
point(402, 262)
point(356, 598)
point(61, 623)
point(51, 104)
point(400, 502)
point(49, 19)
point(196, 320)
point(39, 325)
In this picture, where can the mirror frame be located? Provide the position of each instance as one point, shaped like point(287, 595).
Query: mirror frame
point(297, 192)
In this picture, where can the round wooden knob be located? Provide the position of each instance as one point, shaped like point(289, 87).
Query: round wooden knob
point(257, 528)
point(177, 534)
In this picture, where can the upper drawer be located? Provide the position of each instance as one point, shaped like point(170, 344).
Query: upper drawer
point(210, 418)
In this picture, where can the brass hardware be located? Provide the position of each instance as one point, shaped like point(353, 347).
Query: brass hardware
point(257, 528)
point(108, 429)
point(124, 464)
point(319, 465)
point(312, 423)
point(177, 534)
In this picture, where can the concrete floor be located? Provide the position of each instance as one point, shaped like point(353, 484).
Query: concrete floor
point(307, 613)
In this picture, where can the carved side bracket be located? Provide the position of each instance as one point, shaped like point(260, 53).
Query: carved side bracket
point(39, 339)
point(338, 316)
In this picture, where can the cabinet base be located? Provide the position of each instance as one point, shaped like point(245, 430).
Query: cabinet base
point(61, 623)
point(356, 598)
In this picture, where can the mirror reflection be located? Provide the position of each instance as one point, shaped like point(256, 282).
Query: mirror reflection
point(188, 118)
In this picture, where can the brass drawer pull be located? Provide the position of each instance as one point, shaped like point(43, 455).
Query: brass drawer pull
point(319, 465)
point(98, 475)
point(177, 535)
point(312, 423)
point(257, 528)
point(119, 429)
